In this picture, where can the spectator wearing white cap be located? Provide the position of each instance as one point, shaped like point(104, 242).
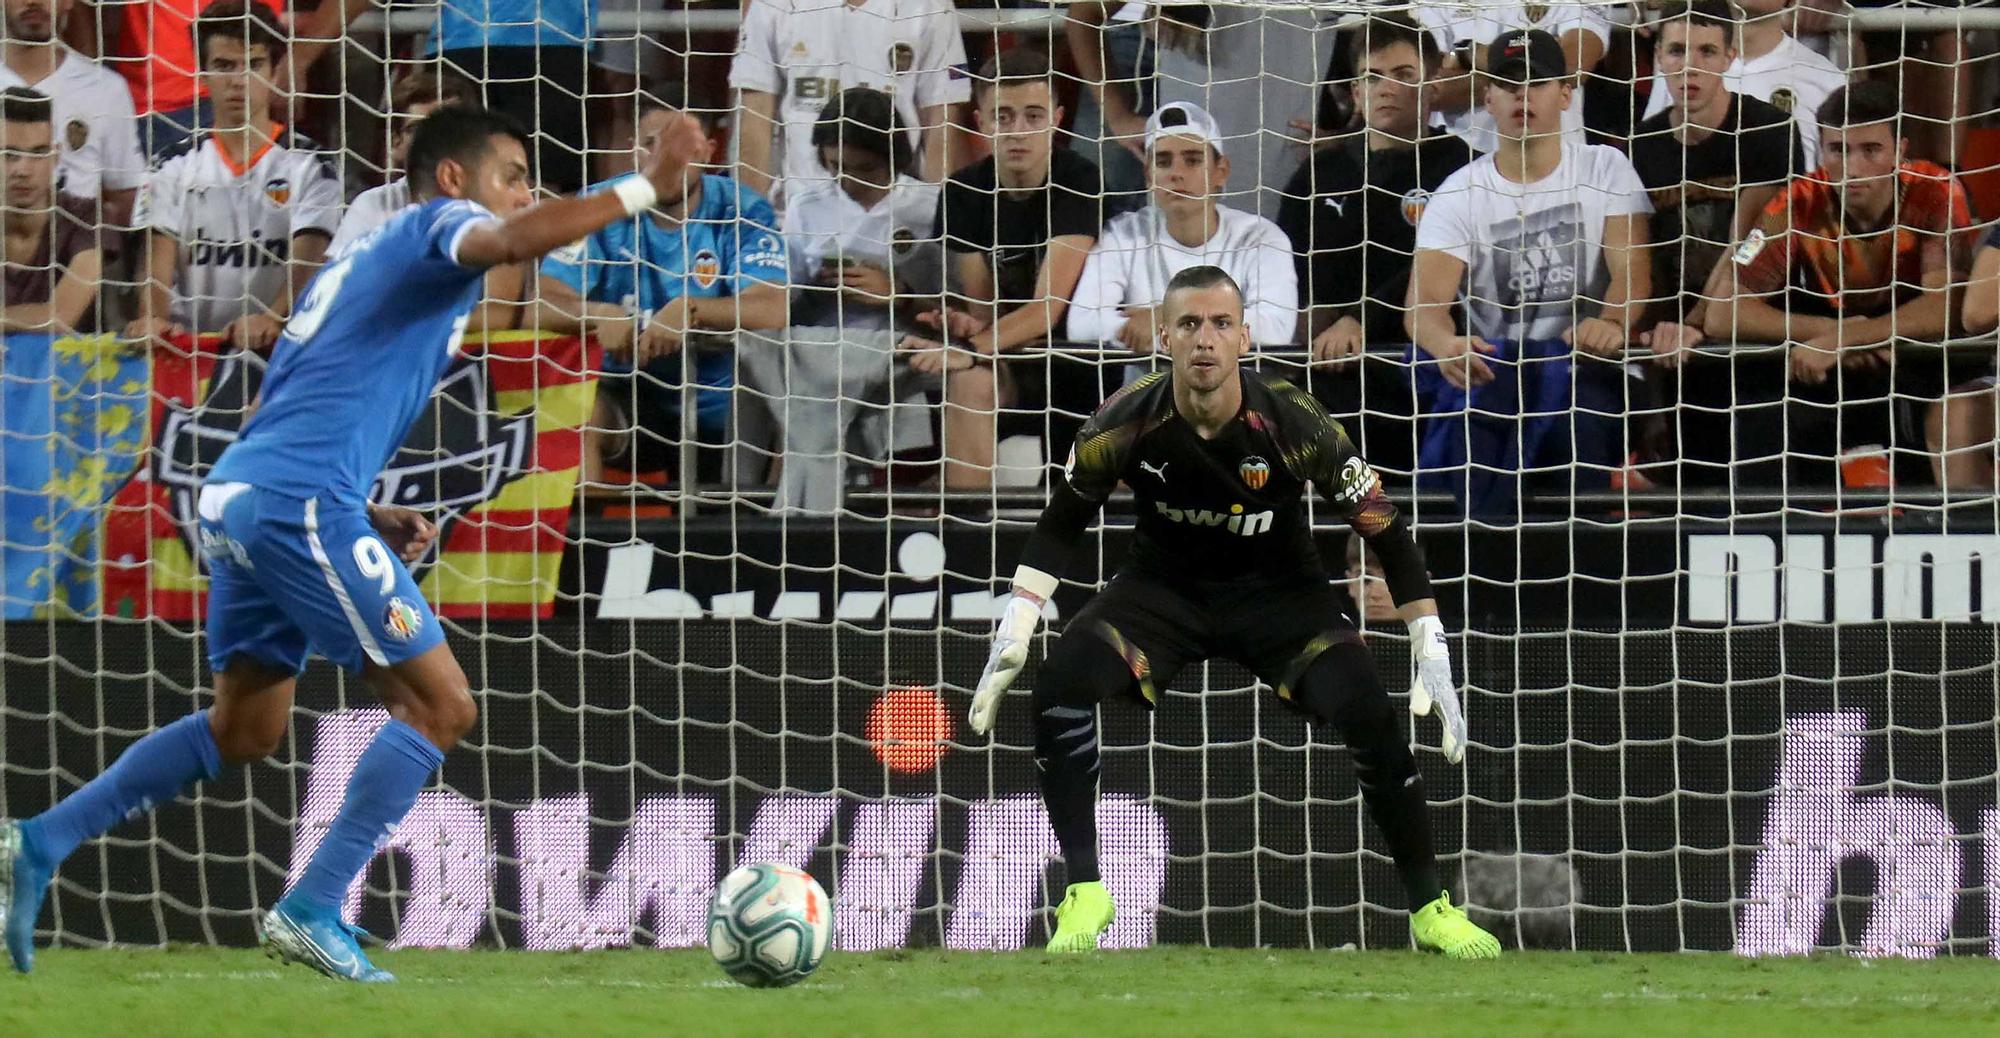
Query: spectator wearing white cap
point(1125, 278)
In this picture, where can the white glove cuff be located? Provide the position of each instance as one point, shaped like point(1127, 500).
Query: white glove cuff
point(1035, 582)
point(1426, 631)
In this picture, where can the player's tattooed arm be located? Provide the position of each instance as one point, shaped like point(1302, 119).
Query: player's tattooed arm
point(548, 225)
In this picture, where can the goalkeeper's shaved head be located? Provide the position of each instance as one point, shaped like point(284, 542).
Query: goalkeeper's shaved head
point(1203, 329)
point(1204, 276)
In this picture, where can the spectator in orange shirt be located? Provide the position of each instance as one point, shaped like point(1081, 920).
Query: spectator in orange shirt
point(1848, 259)
point(151, 44)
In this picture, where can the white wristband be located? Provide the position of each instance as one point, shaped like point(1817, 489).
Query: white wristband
point(1423, 628)
point(1035, 582)
point(637, 193)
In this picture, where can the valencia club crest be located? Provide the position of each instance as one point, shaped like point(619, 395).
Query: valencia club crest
point(1255, 472)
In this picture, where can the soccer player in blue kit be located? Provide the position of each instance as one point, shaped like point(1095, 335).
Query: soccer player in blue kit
point(299, 561)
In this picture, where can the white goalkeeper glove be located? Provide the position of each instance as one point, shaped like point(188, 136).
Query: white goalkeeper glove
point(1433, 686)
point(1011, 637)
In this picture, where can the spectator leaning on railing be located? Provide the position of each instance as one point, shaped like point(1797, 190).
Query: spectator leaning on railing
point(795, 55)
point(1124, 282)
point(1017, 227)
point(1545, 242)
point(53, 254)
point(1351, 211)
point(1711, 162)
point(710, 259)
point(1867, 250)
point(861, 254)
point(96, 133)
point(238, 217)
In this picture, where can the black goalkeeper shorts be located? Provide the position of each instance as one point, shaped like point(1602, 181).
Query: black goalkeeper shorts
point(1273, 629)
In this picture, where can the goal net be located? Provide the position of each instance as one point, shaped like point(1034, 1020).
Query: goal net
point(730, 493)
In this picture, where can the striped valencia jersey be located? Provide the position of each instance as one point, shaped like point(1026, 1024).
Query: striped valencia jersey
point(1230, 507)
point(1802, 245)
point(235, 222)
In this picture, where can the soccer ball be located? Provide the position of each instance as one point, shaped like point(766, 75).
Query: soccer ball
point(769, 925)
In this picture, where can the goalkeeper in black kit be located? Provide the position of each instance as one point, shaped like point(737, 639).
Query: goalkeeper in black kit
point(1223, 564)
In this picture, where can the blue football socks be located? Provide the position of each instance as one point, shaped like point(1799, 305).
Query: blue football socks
point(153, 771)
point(386, 781)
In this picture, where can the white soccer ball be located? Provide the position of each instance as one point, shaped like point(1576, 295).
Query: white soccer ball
point(770, 925)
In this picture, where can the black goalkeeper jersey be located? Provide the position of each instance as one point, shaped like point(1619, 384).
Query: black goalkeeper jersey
point(1229, 508)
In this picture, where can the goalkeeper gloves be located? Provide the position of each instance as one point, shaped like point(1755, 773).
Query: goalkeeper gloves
point(1018, 620)
point(1433, 686)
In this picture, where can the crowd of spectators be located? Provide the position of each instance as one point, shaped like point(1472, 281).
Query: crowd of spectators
point(1501, 291)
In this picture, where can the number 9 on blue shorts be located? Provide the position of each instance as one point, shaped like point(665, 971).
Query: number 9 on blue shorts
point(289, 577)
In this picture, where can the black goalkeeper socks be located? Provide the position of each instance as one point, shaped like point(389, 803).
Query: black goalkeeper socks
point(1403, 815)
point(1066, 754)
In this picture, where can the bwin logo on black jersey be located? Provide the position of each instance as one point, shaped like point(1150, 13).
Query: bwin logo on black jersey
point(1233, 520)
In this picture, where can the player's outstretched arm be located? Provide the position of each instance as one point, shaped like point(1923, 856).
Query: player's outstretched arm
point(548, 225)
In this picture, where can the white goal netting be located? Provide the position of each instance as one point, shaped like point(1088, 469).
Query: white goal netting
point(1691, 398)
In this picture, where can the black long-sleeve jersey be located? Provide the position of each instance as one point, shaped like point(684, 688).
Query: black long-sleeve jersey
point(1229, 508)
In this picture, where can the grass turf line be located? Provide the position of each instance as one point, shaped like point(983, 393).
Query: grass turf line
point(230, 992)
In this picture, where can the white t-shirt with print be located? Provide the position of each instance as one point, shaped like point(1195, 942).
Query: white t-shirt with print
point(1534, 253)
point(235, 225)
point(807, 51)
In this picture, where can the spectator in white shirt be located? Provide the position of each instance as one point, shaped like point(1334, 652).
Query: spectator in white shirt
point(1771, 65)
point(1467, 34)
point(96, 131)
point(860, 246)
point(1544, 243)
point(1125, 278)
point(794, 56)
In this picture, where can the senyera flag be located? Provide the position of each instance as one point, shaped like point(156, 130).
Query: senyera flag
point(493, 461)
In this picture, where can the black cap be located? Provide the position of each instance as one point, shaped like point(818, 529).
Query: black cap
point(1526, 56)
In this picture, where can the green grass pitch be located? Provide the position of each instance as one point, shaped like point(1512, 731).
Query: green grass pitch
point(1161, 993)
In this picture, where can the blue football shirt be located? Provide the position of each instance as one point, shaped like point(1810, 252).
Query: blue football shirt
point(729, 241)
point(464, 24)
point(360, 358)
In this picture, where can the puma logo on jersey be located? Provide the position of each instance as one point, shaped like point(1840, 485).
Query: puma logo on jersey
point(1157, 473)
point(1339, 205)
point(1233, 520)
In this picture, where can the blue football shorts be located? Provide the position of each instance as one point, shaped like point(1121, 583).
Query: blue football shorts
point(289, 577)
